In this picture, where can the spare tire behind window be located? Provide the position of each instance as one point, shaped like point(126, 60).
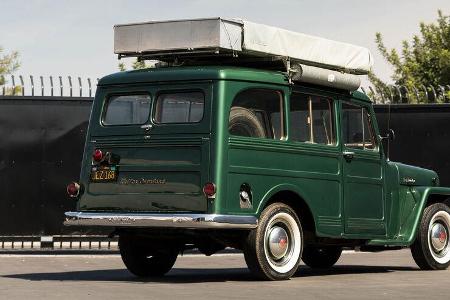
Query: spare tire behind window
point(243, 122)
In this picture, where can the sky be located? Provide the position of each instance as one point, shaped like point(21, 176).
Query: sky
point(63, 37)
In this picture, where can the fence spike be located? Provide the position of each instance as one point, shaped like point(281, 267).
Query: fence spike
point(425, 91)
point(42, 85)
point(448, 92)
point(70, 85)
point(51, 85)
point(442, 94)
point(13, 85)
point(22, 85)
point(363, 90)
point(434, 93)
point(397, 88)
point(404, 96)
point(32, 85)
point(378, 92)
point(80, 86)
point(61, 88)
point(416, 92)
point(90, 86)
point(391, 89)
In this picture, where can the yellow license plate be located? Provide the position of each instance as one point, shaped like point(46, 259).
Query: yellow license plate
point(103, 174)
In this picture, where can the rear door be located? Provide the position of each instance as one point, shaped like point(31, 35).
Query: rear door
point(156, 140)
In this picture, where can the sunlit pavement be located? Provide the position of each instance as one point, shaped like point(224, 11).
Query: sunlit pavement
point(387, 275)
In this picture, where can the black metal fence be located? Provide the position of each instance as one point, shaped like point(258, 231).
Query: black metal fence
point(413, 94)
point(41, 146)
point(42, 139)
point(63, 243)
point(70, 86)
point(422, 135)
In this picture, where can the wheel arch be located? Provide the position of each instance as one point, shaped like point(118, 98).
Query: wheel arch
point(429, 196)
point(438, 198)
point(290, 195)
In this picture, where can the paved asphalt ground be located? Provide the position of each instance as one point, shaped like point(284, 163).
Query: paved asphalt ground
point(388, 275)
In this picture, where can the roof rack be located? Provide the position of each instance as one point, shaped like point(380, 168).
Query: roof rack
point(222, 41)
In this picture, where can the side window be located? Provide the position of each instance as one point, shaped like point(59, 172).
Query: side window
point(186, 107)
point(357, 129)
point(127, 110)
point(257, 113)
point(312, 119)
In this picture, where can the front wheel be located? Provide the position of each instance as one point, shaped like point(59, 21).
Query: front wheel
point(143, 259)
point(431, 249)
point(321, 257)
point(273, 250)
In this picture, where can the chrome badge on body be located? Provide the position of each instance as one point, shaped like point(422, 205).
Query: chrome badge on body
point(133, 181)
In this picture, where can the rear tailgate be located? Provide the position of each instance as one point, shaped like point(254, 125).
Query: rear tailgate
point(161, 162)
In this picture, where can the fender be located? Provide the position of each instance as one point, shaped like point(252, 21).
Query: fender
point(280, 188)
point(407, 234)
point(426, 192)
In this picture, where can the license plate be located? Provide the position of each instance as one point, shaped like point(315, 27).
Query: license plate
point(103, 174)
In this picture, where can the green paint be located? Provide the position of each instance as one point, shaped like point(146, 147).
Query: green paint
point(365, 198)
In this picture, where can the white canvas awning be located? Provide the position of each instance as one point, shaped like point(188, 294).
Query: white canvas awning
point(246, 39)
point(307, 49)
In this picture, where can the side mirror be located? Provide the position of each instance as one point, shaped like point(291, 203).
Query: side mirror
point(390, 135)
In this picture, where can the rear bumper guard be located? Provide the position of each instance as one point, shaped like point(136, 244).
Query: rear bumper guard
point(144, 220)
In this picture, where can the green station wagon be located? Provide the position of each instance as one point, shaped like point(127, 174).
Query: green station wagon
point(214, 157)
point(209, 155)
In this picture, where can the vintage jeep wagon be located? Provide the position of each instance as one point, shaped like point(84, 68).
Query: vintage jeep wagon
point(282, 165)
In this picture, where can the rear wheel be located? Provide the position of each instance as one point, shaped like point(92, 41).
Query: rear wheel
point(272, 251)
point(321, 257)
point(143, 259)
point(431, 249)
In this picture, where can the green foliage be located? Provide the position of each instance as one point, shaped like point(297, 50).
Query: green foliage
point(425, 60)
point(136, 65)
point(122, 67)
point(8, 64)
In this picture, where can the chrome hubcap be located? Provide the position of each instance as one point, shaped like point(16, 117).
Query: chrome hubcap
point(439, 237)
point(282, 243)
point(278, 242)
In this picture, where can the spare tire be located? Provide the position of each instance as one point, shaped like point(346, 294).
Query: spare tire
point(243, 122)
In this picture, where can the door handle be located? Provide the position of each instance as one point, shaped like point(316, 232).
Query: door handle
point(348, 155)
point(147, 127)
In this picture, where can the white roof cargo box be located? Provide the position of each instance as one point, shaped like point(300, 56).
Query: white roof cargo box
point(241, 39)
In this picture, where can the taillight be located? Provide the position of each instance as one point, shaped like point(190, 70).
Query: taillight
point(209, 189)
point(97, 155)
point(73, 189)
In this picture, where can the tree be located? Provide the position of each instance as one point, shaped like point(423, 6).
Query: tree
point(136, 65)
point(423, 61)
point(8, 64)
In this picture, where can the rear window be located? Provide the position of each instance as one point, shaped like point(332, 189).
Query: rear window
point(182, 107)
point(127, 110)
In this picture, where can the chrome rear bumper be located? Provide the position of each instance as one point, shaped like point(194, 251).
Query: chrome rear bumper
point(145, 220)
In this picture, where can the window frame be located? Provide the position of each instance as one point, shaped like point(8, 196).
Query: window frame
point(175, 91)
point(268, 124)
point(107, 101)
point(332, 100)
point(371, 125)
